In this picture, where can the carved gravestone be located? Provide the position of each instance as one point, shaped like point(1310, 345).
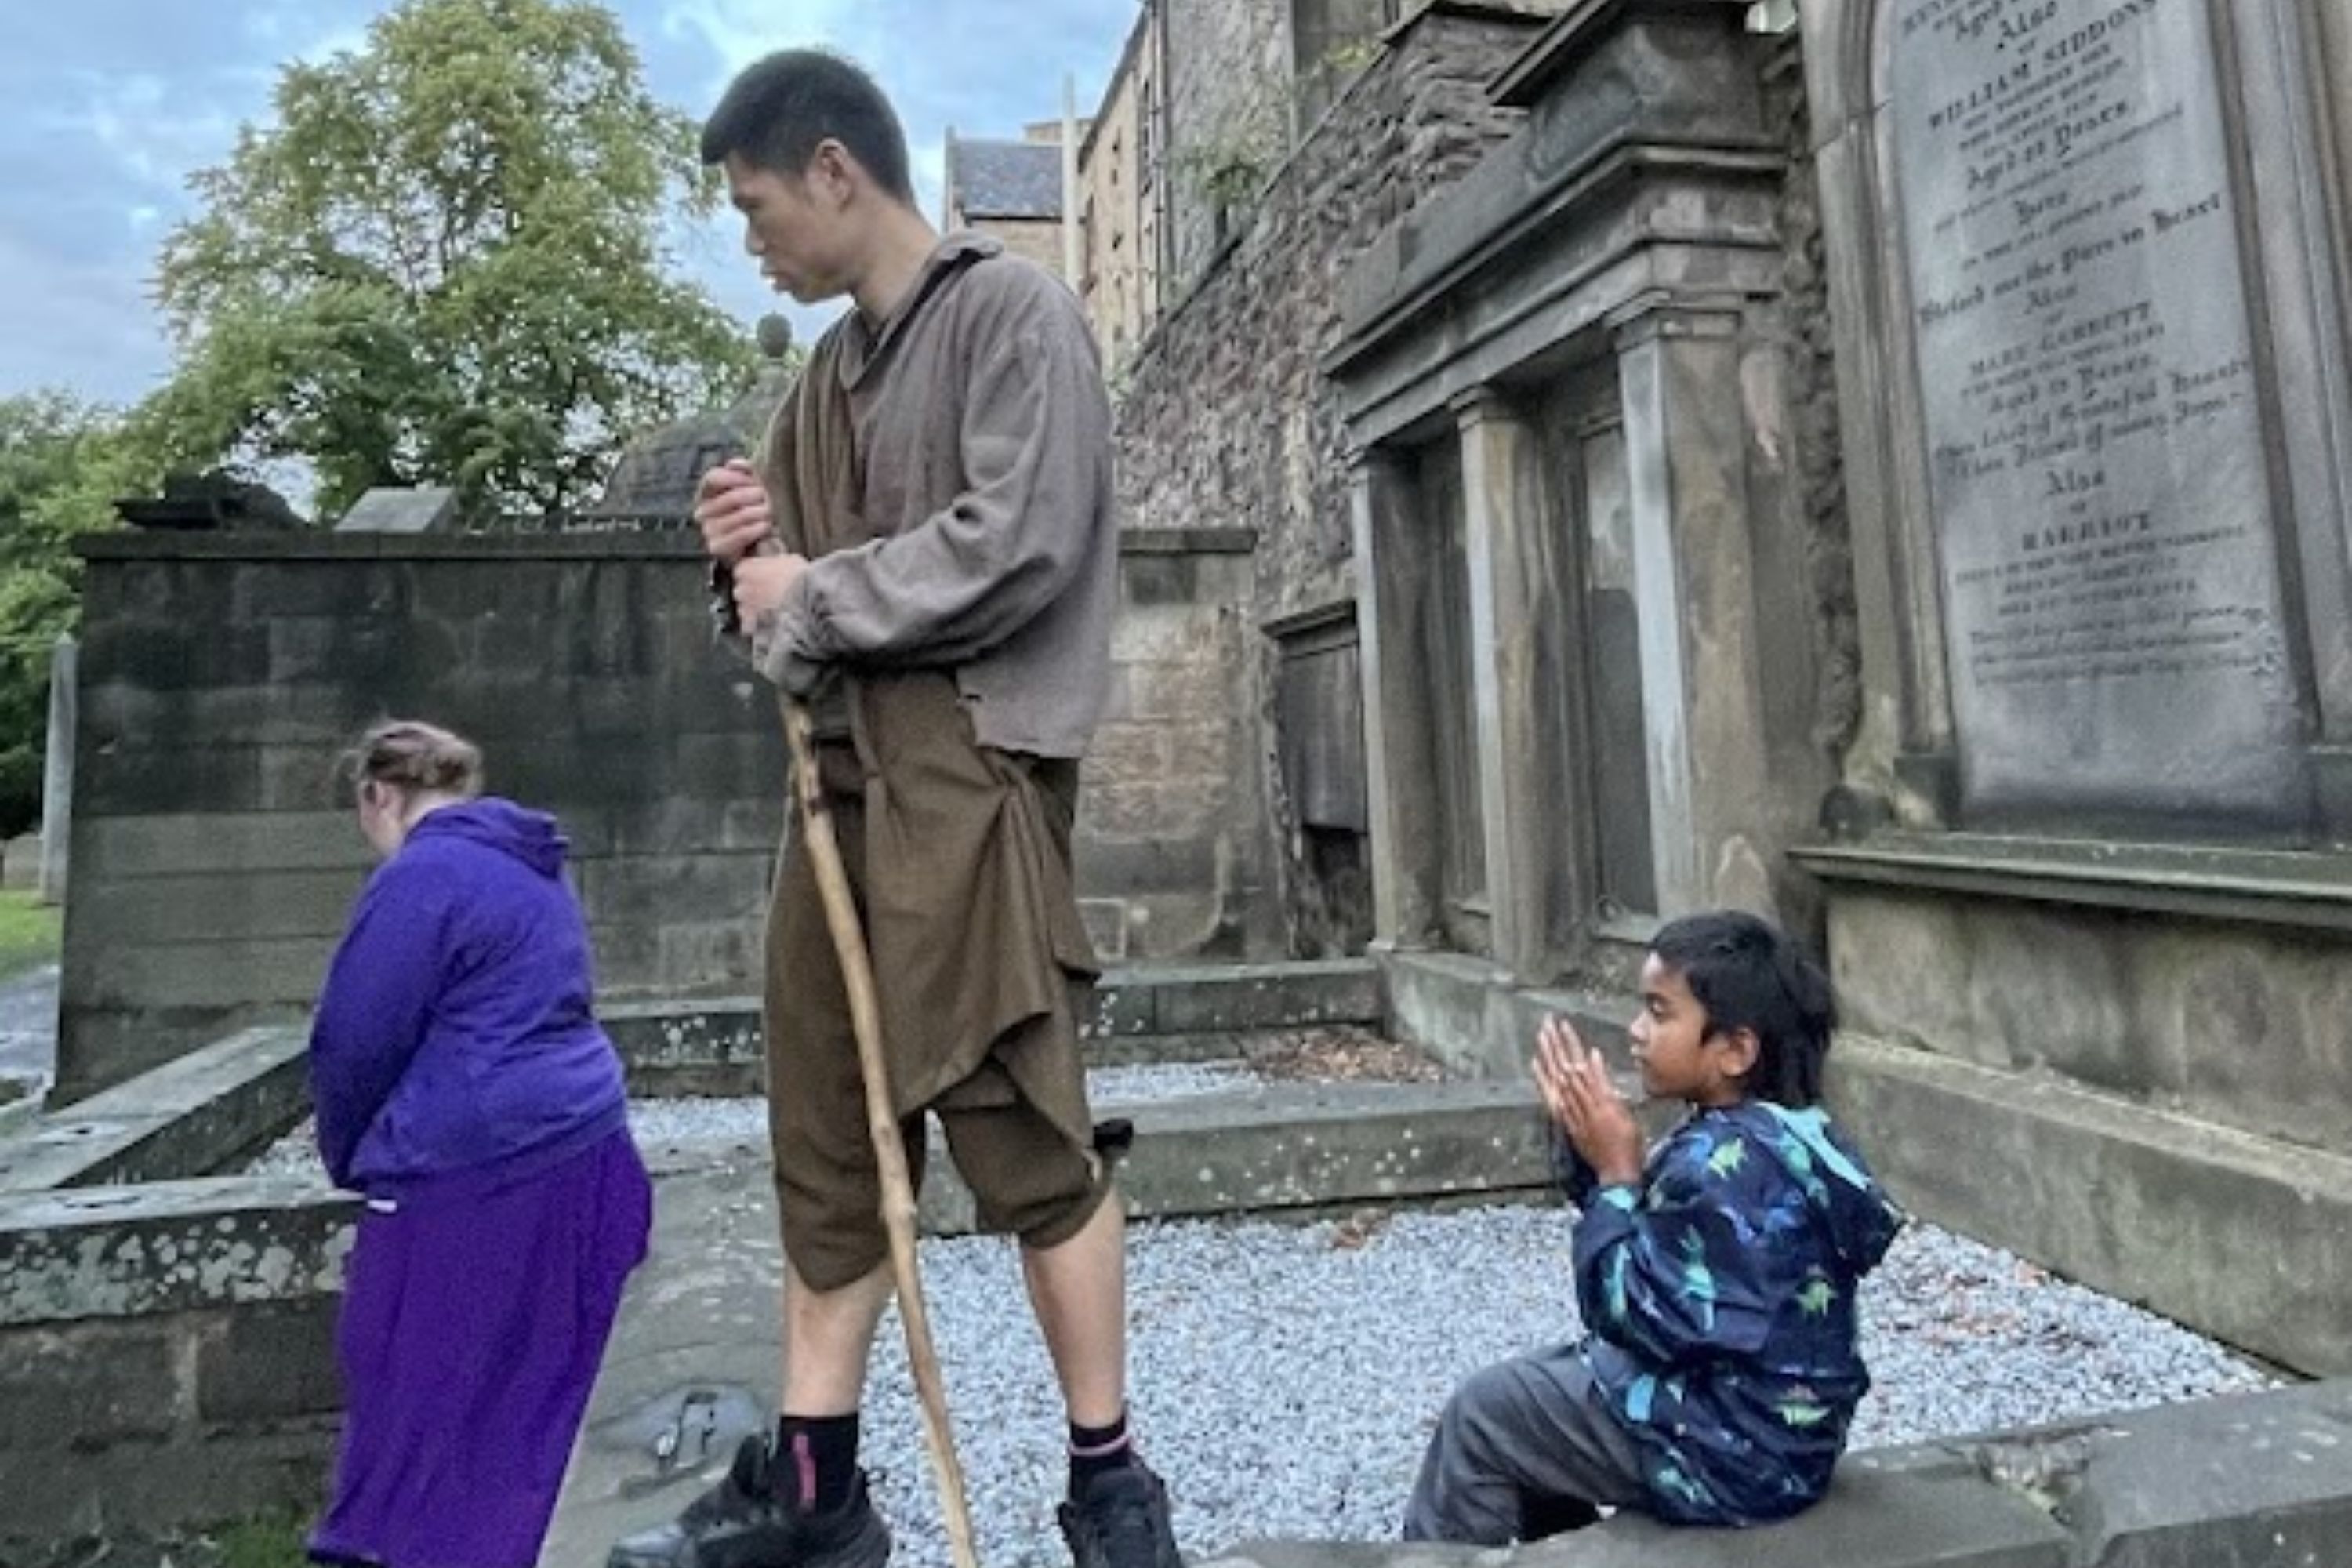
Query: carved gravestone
point(207, 501)
point(2115, 632)
point(388, 509)
point(653, 484)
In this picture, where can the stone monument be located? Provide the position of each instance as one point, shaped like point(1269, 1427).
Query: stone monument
point(2089, 284)
point(2115, 624)
point(653, 484)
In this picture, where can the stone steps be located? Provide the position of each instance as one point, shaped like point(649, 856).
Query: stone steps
point(1308, 1147)
point(195, 1115)
point(712, 1047)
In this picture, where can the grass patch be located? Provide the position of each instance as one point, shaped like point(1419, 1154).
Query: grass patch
point(29, 931)
point(269, 1539)
point(274, 1542)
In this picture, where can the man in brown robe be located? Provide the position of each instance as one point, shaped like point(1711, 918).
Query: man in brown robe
point(926, 551)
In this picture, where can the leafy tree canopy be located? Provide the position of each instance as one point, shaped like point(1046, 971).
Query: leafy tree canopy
point(447, 262)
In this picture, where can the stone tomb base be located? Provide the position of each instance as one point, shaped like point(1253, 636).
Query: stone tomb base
point(2126, 1064)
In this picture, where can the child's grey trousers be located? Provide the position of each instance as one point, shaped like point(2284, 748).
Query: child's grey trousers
point(1525, 1448)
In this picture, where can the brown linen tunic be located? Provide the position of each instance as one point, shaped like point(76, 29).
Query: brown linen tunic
point(952, 767)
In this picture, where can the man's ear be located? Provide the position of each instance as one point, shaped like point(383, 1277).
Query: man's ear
point(834, 169)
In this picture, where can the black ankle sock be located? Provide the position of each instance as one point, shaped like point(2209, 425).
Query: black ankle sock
point(816, 1460)
point(1094, 1449)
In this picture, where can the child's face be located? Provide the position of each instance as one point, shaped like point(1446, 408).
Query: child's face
point(1679, 1056)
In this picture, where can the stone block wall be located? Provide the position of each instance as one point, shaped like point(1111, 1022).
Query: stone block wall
point(1227, 416)
point(215, 864)
point(213, 861)
point(1172, 853)
point(169, 1354)
point(1035, 239)
point(1227, 83)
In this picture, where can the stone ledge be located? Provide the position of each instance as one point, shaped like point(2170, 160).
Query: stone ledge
point(2244, 1238)
point(174, 1247)
point(2262, 886)
point(1314, 1147)
point(2257, 1480)
point(162, 1247)
point(1141, 1015)
point(320, 544)
point(616, 544)
point(185, 1118)
point(1470, 1014)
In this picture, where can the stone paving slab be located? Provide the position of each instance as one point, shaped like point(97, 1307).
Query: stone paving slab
point(185, 1118)
point(712, 1046)
point(1291, 1146)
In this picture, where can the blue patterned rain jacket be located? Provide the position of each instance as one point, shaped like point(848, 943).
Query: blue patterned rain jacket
point(1720, 1302)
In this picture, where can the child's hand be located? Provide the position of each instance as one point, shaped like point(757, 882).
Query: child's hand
point(1581, 1097)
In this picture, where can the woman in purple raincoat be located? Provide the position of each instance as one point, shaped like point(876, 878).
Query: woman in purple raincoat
point(464, 1087)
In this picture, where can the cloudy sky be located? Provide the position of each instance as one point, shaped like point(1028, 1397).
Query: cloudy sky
point(107, 106)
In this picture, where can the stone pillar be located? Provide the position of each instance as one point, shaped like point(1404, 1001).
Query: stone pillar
point(1393, 584)
point(1514, 608)
point(1693, 570)
point(56, 778)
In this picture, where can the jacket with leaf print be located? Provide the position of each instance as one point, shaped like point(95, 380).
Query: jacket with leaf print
point(1720, 1302)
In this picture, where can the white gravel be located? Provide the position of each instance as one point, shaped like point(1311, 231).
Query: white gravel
point(1284, 1378)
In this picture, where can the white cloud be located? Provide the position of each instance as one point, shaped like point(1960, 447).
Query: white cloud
point(739, 31)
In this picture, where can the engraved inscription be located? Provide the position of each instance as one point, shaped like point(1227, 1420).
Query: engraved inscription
point(2087, 377)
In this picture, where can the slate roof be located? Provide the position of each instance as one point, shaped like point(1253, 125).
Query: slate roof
point(1005, 179)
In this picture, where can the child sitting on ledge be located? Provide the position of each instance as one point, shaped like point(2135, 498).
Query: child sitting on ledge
point(1716, 1280)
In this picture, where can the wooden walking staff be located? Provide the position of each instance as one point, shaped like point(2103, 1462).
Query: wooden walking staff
point(889, 1150)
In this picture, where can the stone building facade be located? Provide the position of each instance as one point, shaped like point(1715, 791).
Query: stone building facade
point(1123, 174)
point(1013, 190)
point(1210, 101)
point(1888, 471)
point(1227, 415)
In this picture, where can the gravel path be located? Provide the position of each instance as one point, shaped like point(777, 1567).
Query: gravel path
point(1285, 1377)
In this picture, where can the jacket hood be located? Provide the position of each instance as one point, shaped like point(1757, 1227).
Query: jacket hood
point(530, 836)
point(1862, 1220)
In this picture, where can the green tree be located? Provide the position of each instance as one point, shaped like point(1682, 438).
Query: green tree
point(62, 464)
point(447, 263)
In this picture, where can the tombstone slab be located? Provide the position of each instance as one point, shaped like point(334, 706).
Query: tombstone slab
point(388, 509)
point(2117, 634)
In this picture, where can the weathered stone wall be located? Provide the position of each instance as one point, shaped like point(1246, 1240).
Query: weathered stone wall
point(1816, 457)
point(1228, 83)
point(169, 1358)
point(1227, 418)
point(214, 864)
point(1037, 239)
point(1173, 851)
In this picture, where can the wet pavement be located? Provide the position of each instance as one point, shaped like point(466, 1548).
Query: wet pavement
point(29, 1027)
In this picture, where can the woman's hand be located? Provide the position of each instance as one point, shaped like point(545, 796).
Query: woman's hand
point(1580, 1094)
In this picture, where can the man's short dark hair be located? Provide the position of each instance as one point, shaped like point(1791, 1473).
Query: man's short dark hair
point(777, 110)
point(1749, 975)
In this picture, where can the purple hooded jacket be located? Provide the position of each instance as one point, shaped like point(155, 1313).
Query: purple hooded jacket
point(456, 1032)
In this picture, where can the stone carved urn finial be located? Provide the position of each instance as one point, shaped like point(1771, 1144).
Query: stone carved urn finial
point(775, 333)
